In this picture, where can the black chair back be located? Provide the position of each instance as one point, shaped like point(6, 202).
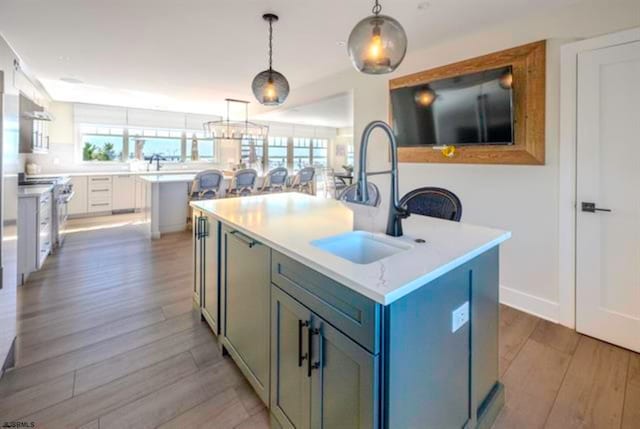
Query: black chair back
point(434, 202)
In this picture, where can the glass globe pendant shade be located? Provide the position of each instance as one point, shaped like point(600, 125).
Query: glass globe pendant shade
point(270, 88)
point(377, 44)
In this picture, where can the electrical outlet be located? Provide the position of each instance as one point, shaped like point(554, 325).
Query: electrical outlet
point(459, 316)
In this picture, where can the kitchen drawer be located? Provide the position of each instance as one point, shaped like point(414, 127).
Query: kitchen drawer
point(45, 224)
point(356, 316)
point(99, 194)
point(100, 182)
point(44, 212)
point(45, 245)
point(100, 205)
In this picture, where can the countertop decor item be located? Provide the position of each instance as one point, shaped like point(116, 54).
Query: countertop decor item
point(269, 86)
point(377, 44)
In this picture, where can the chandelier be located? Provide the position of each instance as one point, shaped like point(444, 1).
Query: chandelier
point(228, 129)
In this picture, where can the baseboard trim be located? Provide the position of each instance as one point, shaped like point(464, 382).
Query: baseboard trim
point(531, 304)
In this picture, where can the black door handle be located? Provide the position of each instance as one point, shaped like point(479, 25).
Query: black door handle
point(311, 366)
point(301, 357)
point(591, 208)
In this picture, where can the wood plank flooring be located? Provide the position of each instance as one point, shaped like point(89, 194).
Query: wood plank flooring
point(107, 339)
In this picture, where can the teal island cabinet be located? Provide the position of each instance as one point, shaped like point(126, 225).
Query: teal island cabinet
point(333, 333)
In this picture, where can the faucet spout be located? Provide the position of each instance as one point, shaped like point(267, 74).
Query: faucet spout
point(396, 213)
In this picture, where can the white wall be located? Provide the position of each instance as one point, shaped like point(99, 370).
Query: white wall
point(523, 199)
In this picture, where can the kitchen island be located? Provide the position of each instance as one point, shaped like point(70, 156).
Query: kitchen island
point(335, 328)
point(164, 200)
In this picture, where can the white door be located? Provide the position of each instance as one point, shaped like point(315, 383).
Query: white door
point(608, 178)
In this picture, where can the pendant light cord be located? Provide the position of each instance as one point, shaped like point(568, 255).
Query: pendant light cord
point(270, 43)
point(376, 8)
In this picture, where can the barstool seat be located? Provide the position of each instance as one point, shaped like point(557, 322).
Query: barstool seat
point(242, 182)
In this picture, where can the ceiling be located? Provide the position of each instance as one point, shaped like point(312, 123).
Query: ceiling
point(335, 111)
point(189, 55)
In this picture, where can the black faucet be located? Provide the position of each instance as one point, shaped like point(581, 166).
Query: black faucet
point(157, 158)
point(396, 213)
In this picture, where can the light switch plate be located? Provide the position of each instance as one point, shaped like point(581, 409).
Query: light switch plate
point(459, 317)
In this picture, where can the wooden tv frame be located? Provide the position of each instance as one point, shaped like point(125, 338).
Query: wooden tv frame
point(528, 63)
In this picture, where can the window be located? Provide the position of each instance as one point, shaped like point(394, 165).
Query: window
point(252, 152)
point(277, 152)
point(301, 153)
point(102, 143)
point(206, 146)
point(166, 143)
point(319, 152)
point(350, 158)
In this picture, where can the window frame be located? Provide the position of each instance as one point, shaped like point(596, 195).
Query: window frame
point(143, 132)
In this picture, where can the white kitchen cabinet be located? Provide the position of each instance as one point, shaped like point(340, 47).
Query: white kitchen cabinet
point(79, 203)
point(34, 232)
point(100, 194)
point(123, 192)
point(140, 194)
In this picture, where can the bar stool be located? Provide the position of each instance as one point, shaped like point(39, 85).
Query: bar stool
point(206, 185)
point(350, 193)
point(303, 181)
point(242, 183)
point(275, 181)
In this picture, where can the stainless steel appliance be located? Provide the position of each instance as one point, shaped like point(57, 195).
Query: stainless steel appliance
point(62, 194)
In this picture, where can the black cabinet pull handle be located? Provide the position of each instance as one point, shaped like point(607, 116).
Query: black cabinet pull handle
point(591, 208)
point(246, 240)
point(205, 227)
point(316, 365)
point(301, 357)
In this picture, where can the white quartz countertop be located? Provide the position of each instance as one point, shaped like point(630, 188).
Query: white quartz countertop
point(289, 222)
point(168, 178)
point(31, 191)
point(122, 173)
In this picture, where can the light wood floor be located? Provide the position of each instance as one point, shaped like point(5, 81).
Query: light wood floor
point(107, 339)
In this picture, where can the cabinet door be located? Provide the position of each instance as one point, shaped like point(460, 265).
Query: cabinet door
point(123, 192)
point(344, 383)
point(78, 203)
point(247, 293)
point(290, 383)
point(209, 268)
point(197, 258)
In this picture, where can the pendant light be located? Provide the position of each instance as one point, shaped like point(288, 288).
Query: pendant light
point(377, 44)
point(270, 87)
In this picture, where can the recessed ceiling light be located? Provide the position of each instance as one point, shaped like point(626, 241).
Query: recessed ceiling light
point(71, 80)
point(423, 5)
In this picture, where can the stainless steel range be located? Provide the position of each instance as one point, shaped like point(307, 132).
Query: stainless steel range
point(62, 194)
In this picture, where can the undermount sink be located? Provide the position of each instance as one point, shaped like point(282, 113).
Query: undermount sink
point(361, 247)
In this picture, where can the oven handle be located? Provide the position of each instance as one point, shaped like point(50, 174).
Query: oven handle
point(69, 196)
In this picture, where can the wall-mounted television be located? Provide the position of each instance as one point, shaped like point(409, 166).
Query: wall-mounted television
point(471, 109)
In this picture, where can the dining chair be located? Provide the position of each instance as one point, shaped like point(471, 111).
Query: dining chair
point(350, 194)
point(275, 181)
point(303, 180)
point(435, 202)
point(242, 183)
